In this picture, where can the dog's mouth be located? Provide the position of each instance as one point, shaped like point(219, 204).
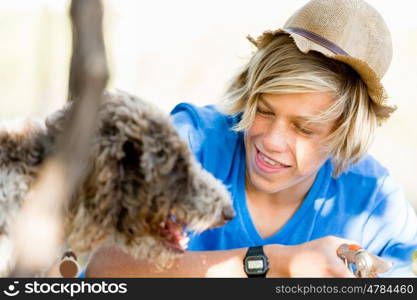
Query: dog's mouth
point(173, 234)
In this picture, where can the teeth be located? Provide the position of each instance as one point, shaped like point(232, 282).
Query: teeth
point(267, 160)
point(184, 242)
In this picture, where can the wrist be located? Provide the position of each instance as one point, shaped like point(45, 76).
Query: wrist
point(255, 262)
point(279, 257)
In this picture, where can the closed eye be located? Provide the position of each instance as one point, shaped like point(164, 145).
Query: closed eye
point(264, 112)
point(303, 130)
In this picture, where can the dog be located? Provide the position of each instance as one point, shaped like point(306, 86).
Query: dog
point(143, 189)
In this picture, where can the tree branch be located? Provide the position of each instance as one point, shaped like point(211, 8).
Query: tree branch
point(38, 231)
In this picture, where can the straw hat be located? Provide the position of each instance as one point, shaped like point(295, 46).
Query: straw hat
point(350, 31)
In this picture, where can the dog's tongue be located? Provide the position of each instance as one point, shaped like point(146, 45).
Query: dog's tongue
point(176, 238)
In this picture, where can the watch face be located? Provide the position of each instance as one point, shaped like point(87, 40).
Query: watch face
point(255, 265)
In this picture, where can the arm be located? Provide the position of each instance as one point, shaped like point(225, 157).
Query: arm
point(54, 270)
point(313, 259)
point(111, 261)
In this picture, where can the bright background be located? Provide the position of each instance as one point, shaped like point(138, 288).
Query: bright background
point(172, 51)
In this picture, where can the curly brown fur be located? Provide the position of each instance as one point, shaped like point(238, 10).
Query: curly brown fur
point(141, 175)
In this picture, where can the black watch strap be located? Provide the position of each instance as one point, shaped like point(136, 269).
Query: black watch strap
point(257, 251)
point(254, 251)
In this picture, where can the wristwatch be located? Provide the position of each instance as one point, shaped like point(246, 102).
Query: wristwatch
point(255, 262)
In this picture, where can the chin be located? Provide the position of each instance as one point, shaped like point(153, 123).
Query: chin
point(268, 186)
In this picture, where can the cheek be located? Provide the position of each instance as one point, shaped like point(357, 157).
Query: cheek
point(309, 156)
point(258, 127)
point(253, 133)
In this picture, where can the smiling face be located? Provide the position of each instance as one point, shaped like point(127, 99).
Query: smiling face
point(283, 150)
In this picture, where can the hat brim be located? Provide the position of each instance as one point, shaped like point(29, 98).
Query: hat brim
point(376, 90)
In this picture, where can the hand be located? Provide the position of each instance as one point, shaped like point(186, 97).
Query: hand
point(317, 258)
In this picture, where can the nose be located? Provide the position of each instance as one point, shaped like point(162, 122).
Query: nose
point(227, 214)
point(276, 137)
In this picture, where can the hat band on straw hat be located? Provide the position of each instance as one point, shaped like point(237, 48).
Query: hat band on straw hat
point(317, 39)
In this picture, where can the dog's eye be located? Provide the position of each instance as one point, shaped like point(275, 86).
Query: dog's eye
point(109, 130)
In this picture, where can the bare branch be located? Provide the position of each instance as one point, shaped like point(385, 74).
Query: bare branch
point(38, 232)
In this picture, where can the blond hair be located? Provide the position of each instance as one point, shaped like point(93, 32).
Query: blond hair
point(280, 68)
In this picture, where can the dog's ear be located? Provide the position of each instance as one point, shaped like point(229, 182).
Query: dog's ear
point(130, 163)
point(109, 199)
point(25, 146)
point(132, 204)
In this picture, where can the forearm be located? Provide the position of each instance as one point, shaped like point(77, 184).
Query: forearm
point(54, 270)
point(112, 262)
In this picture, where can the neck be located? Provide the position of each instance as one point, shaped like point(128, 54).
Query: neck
point(289, 196)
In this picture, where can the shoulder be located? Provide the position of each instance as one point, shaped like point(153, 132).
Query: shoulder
point(369, 187)
point(210, 136)
point(368, 174)
point(202, 117)
point(368, 167)
point(204, 125)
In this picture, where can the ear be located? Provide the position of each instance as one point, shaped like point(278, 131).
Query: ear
point(130, 162)
point(25, 146)
point(131, 182)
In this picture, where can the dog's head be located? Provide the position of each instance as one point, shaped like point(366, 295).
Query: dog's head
point(144, 188)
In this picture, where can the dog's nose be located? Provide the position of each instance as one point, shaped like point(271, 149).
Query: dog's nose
point(228, 213)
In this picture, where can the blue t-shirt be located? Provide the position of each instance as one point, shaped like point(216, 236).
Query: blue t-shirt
point(364, 204)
